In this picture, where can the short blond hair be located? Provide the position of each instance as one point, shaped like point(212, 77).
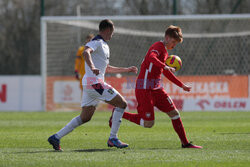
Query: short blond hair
point(89, 37)
point(174, 32)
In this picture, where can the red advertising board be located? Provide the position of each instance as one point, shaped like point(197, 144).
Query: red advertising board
point(203, 87)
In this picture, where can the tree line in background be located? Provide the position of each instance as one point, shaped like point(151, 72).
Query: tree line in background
point(20, 22)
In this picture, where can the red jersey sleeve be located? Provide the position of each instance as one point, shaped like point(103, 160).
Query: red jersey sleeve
point(153, 58)
point(172, 78)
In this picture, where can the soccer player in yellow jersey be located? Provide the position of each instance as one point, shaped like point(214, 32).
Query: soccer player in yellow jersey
point(79, 61)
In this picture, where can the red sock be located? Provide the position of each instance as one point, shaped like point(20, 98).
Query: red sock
point(132, 117)
point(179, 129)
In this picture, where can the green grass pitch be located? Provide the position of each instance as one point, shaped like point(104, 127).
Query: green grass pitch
point(225, 137)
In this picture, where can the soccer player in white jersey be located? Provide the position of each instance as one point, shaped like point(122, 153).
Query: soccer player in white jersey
point(96, 55)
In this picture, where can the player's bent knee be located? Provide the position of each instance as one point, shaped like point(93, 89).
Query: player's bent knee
point(174, 114)
point(149, 124)
point(124, 104)
point(118, 101)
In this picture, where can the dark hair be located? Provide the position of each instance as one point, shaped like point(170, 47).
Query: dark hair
point(104, 24)
point(174, 32)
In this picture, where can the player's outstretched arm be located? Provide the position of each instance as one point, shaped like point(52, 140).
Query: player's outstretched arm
point(113, 69)
point(186, 87)
point(169, 68)
point(168, 74)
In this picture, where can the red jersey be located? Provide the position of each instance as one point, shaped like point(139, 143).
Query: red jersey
point(153, 66)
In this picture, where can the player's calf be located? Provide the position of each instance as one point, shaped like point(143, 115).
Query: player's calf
point(110, 119)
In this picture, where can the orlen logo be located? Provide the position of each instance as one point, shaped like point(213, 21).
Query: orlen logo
point(202, 103)
point(3, 93)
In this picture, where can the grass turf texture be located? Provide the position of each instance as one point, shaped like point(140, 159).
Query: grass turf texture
point(225, 137)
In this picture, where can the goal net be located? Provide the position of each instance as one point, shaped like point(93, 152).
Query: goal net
point(213, 45)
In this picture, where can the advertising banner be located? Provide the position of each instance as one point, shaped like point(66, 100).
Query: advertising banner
point(20, 93)
point(209, 87)
point(64, 92)
point(238, 104)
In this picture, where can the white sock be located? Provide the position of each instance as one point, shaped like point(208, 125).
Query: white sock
point(116, 121)
point(175, 117)
point(75, 122)
point(142, 122)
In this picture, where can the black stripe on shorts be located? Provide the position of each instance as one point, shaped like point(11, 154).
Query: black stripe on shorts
point(99, 88)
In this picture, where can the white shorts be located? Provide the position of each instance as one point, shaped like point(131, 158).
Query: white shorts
point(92, 94)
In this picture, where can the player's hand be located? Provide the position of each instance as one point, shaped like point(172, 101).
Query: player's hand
point(186, 88)
point(77, 75)
point(169, 68)
point(133, 69)
point(95, 71)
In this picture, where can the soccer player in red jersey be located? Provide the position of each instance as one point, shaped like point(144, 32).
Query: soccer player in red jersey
point(150, 94)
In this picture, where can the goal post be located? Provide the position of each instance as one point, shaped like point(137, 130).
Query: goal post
point(213, 45)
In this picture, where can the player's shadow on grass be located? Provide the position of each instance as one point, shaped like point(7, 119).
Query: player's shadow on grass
point(159, 148)
point(31, 152)
point(46, 151)
point(94, 150)
point(234, 133)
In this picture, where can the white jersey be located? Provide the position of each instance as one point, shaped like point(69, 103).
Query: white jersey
point(100, 58)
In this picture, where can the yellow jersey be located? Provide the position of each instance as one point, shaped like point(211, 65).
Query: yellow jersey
point(80, 64)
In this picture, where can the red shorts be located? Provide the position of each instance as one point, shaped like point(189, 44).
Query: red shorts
point(148, 98)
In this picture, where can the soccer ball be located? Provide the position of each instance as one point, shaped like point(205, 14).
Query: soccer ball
point(174, 61)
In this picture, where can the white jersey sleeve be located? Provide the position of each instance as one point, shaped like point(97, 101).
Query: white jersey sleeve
point(93, 45)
